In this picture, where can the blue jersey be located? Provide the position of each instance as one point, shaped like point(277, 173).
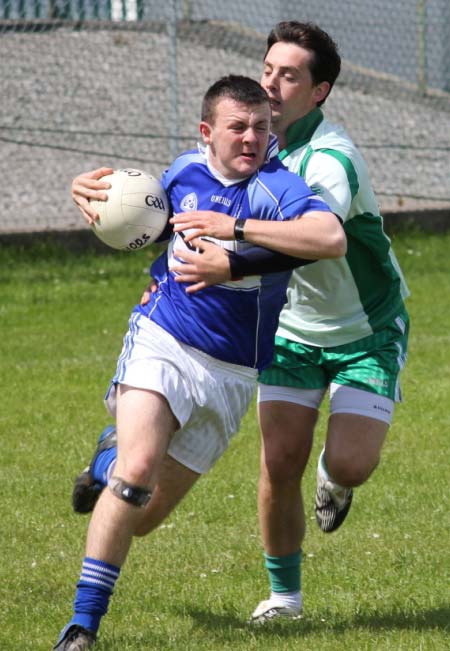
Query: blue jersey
point(236, 321)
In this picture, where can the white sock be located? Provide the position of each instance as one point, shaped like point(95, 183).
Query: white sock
point(289, 599)
point(338, 492)
point(322, 468)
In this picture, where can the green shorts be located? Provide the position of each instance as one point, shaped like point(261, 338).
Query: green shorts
point(371, 364)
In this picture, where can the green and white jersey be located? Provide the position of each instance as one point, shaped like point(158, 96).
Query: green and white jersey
point(335, 302)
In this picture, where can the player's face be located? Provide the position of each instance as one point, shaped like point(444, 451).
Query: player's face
point(287, 79)
point(237, 137)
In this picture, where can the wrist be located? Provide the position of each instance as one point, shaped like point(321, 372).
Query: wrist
point(239, 230)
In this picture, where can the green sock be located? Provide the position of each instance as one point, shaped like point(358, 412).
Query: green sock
point(284, 572)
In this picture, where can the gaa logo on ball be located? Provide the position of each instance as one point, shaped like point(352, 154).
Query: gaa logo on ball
point(135, 213)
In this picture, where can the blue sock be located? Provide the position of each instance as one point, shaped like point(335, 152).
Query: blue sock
point(101, 465)
point(94, 590)
point(284, 572)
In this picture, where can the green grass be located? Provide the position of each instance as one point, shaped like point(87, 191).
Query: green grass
point(380, 583)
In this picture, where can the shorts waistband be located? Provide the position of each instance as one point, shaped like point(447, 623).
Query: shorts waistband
point(202, 357)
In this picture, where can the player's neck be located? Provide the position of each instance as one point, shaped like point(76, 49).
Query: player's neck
point(281, 136)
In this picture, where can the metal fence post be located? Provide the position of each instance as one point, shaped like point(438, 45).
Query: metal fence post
point(187, 10)
point(173, 82)
point(421, 10)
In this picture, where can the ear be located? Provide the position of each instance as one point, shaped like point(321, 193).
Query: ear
point(205, 130)
point(321, 91)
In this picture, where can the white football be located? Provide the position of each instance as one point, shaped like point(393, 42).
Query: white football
point(135, 213)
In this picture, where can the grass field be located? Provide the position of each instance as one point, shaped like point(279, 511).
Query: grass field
point(380, 583)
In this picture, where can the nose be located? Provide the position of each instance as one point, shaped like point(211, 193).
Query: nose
point(268, 80)
point(250, 136)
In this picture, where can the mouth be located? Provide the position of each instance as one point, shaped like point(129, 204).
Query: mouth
point(247, 155)
point(274, 103)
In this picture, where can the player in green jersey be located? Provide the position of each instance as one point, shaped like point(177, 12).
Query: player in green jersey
point(343, 329)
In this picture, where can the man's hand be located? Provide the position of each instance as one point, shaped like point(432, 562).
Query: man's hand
point(205, 223)
point(89, 186)
point(211, 266)
point(148, 291)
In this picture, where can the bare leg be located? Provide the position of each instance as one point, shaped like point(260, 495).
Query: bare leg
point(353, 447)
point(174, 482)
point(287, 435)
point(352, 452)
point(145, 424)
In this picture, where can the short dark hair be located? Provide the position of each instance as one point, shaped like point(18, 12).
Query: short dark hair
point(325, 62)
point(236, 87)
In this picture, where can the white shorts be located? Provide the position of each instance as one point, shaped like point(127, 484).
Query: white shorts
point(207, 397)
point(343, 400)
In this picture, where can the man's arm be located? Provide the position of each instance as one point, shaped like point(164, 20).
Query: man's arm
point(257, 260)
point(211, 264)
point(316, 235)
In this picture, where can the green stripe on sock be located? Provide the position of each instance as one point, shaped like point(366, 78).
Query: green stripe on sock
point(284, 572)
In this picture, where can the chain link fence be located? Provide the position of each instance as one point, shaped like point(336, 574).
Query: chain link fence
point(120, 82)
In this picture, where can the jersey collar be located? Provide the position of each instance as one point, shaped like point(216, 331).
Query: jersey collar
point(301, 131)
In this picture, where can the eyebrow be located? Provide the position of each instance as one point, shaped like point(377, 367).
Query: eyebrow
point(282, 68)
point(231, 119)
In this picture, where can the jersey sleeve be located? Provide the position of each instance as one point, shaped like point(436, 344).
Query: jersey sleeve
point(278, 194)
point(257, 260)
point(329, 179)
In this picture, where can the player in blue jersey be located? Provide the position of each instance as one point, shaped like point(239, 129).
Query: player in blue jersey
point(189, 362)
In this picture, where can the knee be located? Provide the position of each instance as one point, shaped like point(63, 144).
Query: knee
point(351, 471)
point(136, 470)
point(283, 466)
